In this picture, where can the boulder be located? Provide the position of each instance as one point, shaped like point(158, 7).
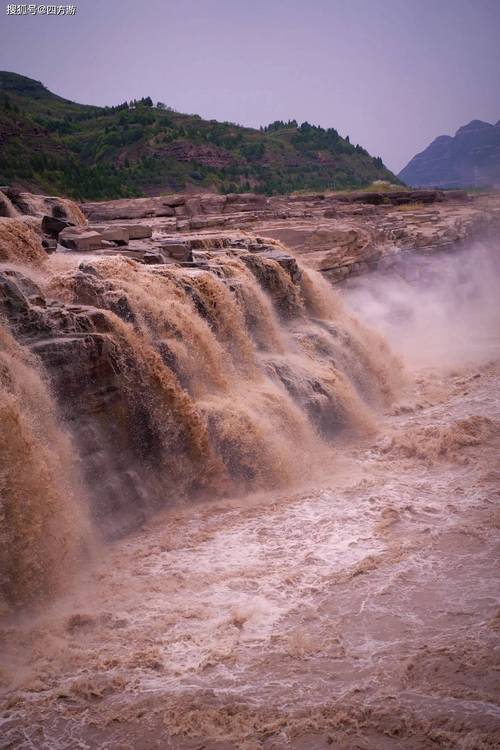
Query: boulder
point(49, 245)
point(153, 258)
point(111, 233)
point(80, 240)
point(52, 225)
point(177, 250)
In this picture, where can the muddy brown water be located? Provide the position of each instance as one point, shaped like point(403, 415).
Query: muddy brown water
point(360, 610)
point(363, 613)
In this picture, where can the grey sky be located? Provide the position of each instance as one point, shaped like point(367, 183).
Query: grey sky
point(392, 74)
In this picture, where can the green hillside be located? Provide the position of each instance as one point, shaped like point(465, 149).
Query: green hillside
point(51, 144)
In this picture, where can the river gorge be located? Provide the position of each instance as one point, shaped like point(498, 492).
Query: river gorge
point(250, 473)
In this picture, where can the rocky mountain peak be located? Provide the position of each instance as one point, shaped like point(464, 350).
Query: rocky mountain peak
point(473, 127)
point(471, 158)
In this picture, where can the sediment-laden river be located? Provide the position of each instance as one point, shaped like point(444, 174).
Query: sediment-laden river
point(355, 607)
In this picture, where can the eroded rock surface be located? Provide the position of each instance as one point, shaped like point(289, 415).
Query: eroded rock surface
point(339, 234)
point(104, 327)
point(121, 342)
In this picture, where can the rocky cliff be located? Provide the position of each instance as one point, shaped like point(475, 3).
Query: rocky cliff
point(168, 349)
point(128, 385)
point(469, 159)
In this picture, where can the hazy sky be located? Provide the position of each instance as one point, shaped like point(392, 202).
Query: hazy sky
point(392, 74)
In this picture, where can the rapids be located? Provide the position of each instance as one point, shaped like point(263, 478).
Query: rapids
point(275, 537)
point(170, 384)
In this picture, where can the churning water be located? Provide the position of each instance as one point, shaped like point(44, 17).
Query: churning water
point(313, 563)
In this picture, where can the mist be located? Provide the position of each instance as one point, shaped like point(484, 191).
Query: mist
point(436, 312)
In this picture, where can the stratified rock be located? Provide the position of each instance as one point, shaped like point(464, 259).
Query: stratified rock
point(287, 262)
point(118, 234)
point(212, 203)
point(245, 201)
point(390, 197)
point(177, 250)
point(139, 231)
point(81, 240)
point(205, 222)
point(38, 206)
point(181, 206)
point(128, 208)
point(280, 286)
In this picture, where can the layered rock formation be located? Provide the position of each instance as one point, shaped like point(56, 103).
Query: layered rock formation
point(341, 239)
point(173, 380)
point(16, 202)
point(187, 354)
point(469, 159)
point(338, 234)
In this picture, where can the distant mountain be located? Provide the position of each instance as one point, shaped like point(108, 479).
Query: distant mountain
point(51, 144)
point(470, 159)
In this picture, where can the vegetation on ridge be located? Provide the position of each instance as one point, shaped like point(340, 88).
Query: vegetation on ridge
point(50, 144)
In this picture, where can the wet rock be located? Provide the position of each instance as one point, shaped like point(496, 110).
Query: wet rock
point(77, 344)
point(287, 262)
point(80, 240)
point(52, 226)
point(50, 245)
point(111, 233)
point(38, 206)
point(179, 251)
point(151, 258)
point(280, 287)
